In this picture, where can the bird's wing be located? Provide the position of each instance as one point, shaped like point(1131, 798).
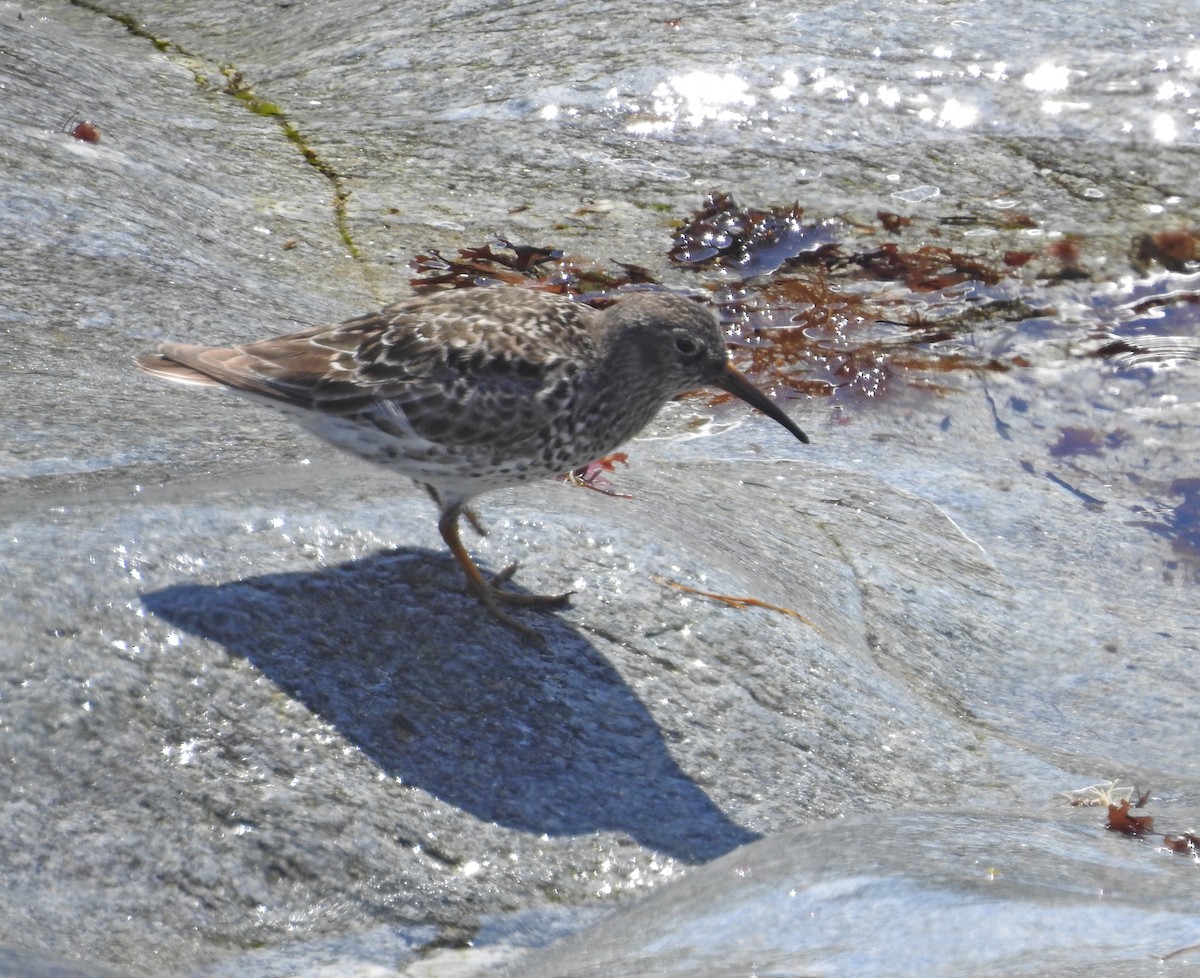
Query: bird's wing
point(457, 368)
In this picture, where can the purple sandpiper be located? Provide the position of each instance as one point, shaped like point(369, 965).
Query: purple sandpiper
point(469, 391)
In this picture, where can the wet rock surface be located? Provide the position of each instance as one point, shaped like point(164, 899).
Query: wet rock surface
point(249, 722)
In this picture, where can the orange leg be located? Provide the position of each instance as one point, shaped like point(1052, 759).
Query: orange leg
point(466, 511)
point(489, 592)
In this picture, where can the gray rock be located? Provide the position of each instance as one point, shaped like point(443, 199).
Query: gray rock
point(248, 719)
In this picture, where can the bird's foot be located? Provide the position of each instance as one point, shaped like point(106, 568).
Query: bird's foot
point(490, 592)
point(525, 600)
point(491, 595)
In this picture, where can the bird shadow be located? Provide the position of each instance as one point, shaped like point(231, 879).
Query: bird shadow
point(549, 740)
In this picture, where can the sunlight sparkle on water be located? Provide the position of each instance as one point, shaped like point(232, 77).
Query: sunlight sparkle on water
point(1169, 90)
point(788, 83)
point(957, 115)
point(824, 83)
point(1164, 128)
point(954, 114)
point(889, 95)
point(1057, 107)
point(698, 97)
point(1047, 78)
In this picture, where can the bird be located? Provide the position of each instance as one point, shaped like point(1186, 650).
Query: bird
point(471, 390)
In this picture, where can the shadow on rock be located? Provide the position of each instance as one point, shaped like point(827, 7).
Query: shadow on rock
point(544, 740)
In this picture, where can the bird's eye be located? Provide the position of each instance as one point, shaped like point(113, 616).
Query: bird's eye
point(687, 346)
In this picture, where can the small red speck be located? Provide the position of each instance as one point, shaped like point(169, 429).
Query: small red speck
point(87, 132)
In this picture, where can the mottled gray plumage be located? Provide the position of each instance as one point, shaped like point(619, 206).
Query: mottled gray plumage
point(468, 391)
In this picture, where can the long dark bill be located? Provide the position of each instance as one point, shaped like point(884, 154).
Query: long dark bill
point(736, 384)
